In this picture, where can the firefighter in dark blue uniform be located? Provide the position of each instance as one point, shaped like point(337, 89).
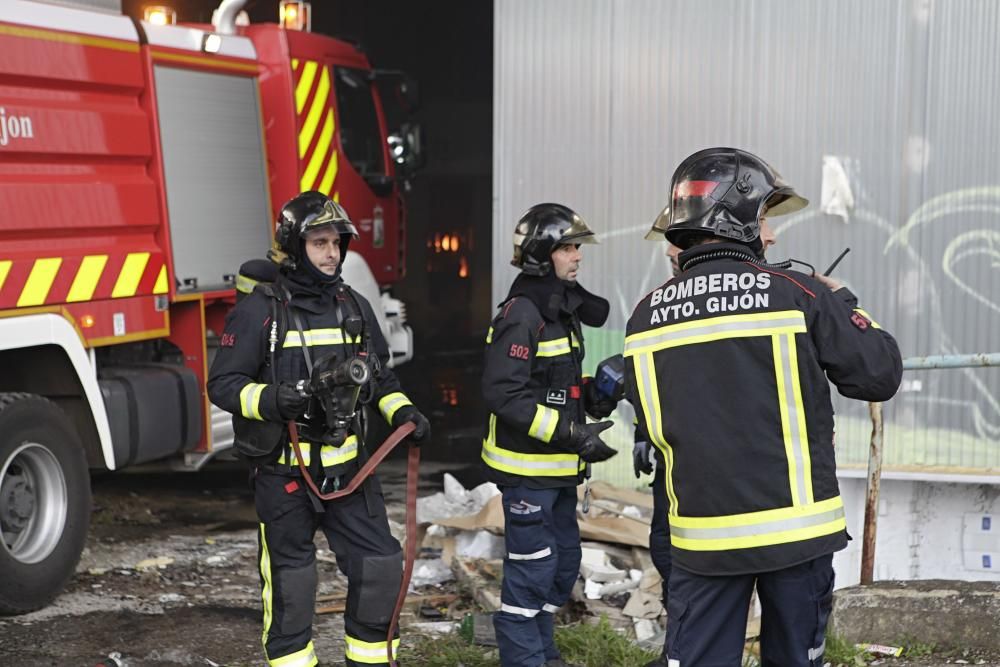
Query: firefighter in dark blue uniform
point(267, 350)
point(728, 365)
point(538, 442)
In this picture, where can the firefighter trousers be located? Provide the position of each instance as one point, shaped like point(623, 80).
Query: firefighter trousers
point(366, 552)
point(543, 559)
point(707, 616)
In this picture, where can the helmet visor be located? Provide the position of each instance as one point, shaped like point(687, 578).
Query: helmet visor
point(577, 232)
point(332, 215)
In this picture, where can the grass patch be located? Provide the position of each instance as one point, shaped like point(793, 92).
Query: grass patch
point(842, 652)
point(593, 645)
point(599, 645)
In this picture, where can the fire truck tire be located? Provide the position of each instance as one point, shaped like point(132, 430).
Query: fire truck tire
point(44, 501)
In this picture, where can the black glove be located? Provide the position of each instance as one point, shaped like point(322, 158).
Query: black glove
point(642, 458)
point(409, 413)
point(584, 439)
point(596, 404)
point(289, 402)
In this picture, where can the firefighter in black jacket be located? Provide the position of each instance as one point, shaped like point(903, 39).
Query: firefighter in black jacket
point(728, 363)
point(264, 361)
point(538, 442)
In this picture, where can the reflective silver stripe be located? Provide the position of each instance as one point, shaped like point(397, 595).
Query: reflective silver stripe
point(800, 495)
point(543, 426)
point(495, 455)
point(535, 556)
point(390, 403)
point(816, 653)
point(715, 328)
point(551, 608)
point(317, 337)
point(373, 653)
point(764, 528)
point(250, 400)
point(673, 662)
point(520, 611)
point(303, 658)
point(552, 348)
point(329, 455)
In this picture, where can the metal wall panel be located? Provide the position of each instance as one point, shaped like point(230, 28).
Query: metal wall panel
point(213, 159)
point(596, 102)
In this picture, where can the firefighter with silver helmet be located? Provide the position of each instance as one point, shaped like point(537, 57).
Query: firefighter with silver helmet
point(274, 337)
point(729, 365)
point(538, 443)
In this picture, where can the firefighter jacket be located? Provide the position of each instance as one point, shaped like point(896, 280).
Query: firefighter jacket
point(532, 380)
point(243, 382)
point(727, 366)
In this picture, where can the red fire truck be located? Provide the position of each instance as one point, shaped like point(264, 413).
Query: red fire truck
point(140, 165)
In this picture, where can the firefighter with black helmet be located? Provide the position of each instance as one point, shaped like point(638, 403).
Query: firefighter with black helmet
point(538, 443)
point(729, 365)
point(261, 374)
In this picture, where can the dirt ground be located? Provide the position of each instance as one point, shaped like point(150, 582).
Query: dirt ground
point(169, 578)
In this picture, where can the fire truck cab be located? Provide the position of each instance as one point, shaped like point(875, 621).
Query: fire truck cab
point(140, 165)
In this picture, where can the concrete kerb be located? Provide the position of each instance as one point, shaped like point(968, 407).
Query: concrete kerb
point(947, 614)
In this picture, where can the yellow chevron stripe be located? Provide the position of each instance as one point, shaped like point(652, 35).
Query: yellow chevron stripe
point(161, 281)
point(308, 130)
point(4, 270)
point(330, 176)
point(304, 85)
point(131, 274)
point(39, 282)
point(86, 278)
point(319, 155)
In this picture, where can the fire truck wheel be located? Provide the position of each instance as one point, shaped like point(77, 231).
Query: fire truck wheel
point(44, 501)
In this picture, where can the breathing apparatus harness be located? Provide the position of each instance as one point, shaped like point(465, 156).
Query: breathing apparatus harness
point(338, 388)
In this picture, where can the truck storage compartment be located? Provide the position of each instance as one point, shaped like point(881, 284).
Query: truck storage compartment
point(154, 410)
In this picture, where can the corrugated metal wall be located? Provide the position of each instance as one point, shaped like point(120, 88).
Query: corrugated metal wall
point(596, 102)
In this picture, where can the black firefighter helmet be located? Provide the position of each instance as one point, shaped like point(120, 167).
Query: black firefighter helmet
point(540, 230)
point(304, 213)
point(723, 192)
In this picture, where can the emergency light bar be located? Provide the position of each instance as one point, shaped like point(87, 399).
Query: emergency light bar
point(295, 15)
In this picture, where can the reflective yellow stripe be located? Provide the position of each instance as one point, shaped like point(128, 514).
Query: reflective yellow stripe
point(369, 653)
point(330, 175)
point(304, 658)
point(319, 155)
point(319, 103)
point(130, 275)
point(529, 465)
point(246, 285)
point(304, 85)
point(86, 278)
point(328, 454)
point(36, 288)
point(758, 529)
point(161, 281)
point(554, 348)
point(801, 437)
point(5, 269)
point(489, 334)
point(318, 337)
point(715, 328)
point(250, 400)
point(543, 426)
point(875, 325)
point(649, 398)
point(390, 403)
point(266, 588)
